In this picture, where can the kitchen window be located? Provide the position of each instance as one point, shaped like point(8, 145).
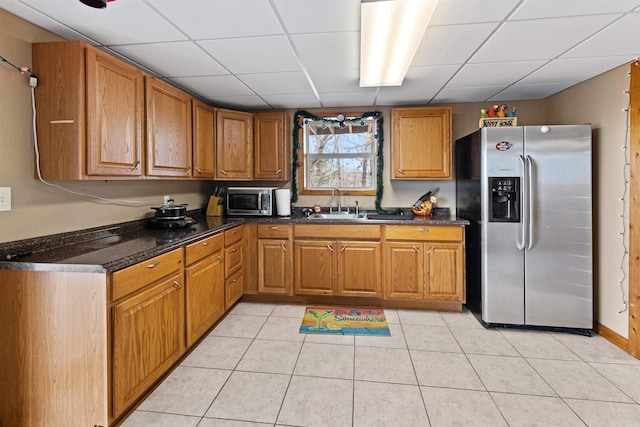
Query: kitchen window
point(339, 153)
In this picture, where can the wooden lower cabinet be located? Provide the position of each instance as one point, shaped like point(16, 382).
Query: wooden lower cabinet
point(275, 265)
point(205, 295)
point(425, 263)
point(233, 265)
point(148, 337)
point(234, 288)
point(334, 267)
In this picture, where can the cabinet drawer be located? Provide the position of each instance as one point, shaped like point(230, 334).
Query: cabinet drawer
point(273, 231)
point(426, 232)
point(324, 231)
point(138, 276)
point(233, 235)
point(202, 248)
point(232, 258)
point(233, 289)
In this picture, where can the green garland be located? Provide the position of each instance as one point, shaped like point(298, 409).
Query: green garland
point(375, 115)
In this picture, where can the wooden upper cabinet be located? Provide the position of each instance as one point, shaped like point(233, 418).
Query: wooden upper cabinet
point(90, 108)
point(270, 158)
point(169, 138)
point(204, 163)
point(234, 148)
point(421, 143)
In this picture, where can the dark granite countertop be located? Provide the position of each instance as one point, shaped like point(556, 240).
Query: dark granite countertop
point(110, 248)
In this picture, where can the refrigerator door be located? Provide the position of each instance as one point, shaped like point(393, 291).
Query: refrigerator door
point(503, 261)
point(558, 266)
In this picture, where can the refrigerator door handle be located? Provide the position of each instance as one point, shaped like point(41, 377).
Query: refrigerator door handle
point(530, 218)
point(522, 243)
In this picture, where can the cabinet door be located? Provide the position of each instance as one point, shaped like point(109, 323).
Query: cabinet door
point(444, 264)
point(404, 266)
point(204, 295)
point(315, 267)
point(147, 338)
point(270, 159)
point(274, 266)
point(359, 270)
point(421, 143)
point(114, 116)
point(234, 289)
point(169, 136)
point(203, 140)
point(234, 153)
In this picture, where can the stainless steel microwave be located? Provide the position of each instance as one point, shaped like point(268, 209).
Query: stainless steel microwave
point(256, 201)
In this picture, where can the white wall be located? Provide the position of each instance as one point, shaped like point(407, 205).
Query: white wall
point(601, 101)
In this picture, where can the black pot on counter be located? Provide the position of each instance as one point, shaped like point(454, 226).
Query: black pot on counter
point(170, 211)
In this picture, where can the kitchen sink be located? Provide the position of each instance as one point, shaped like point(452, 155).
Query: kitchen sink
point(340, 216)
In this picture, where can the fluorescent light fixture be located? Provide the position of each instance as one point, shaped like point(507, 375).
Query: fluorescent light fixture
point(390, 33)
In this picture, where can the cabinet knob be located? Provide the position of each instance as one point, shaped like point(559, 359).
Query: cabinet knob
point(155, 264)
point(235, 250)
point(205, 244)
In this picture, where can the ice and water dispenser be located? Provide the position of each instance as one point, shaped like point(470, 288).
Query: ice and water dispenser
point(504, 199)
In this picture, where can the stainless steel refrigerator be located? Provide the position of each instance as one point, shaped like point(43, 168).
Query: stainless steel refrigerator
point(527, 192)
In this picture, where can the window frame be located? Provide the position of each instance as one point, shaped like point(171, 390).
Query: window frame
point(303, 157)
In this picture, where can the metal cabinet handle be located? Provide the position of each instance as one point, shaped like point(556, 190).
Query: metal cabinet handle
point(415, 248)
point(330, 248)
point(187, 170)
point(284, 248)
point(431, 250)
point(401, 171)
point(136, 166)
point(177, 284)
point(220, 258)
point(423, 230)
point(198, 170)
point(278, 171)
point(274, 227)
point(155, 264)
point(224, 172)
point(343, 248)
point(205, 243)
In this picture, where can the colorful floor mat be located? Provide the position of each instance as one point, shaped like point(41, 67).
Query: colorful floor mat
point(344, 321)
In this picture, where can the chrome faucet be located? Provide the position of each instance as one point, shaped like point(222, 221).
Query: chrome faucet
point(333, 195)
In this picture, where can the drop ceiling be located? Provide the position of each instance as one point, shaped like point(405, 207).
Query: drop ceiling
point(273, 54)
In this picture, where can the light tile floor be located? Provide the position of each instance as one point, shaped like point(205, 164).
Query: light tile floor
point(436, 369)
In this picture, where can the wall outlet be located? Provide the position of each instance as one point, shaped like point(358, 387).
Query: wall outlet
point(5, 198)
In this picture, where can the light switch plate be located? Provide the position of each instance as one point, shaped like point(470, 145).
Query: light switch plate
point(5, 198)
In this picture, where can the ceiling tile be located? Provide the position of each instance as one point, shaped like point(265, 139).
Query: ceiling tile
point(401, 95)
point(573, 70)
point(319, 16)
point(468, 11)
point(336, 80)
point(451, 44)
point(178, 59)
point(330, 51)
point(120, 23)
point(523, 92)
point(466, 94)
point(277, 83)
point(253, 54)
point(538, 38)
point(431, 77)
point(292, 101)
point(212, 86)
point(210, 19)
point(535, 9)
point(493, 74)
point(349, 99)
point(621, 38)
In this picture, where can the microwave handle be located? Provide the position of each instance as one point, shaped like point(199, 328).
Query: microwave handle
point(261, 201)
